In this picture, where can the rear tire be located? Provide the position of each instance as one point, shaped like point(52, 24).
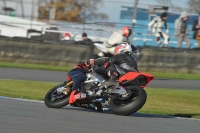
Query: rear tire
point(129, 107)
point(57, 103)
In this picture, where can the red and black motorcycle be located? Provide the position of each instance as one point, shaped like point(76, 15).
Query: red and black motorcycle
point(124, 98)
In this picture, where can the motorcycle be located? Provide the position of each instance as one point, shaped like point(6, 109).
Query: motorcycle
point(125, 98)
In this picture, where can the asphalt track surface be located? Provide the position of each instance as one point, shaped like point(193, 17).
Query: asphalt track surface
point(18, 116)
point(55, 76)
point(23, 116)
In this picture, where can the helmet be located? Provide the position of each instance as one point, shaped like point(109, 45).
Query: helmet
point(126, 31)
point(122, 47)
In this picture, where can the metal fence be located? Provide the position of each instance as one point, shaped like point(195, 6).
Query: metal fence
point(98, 18)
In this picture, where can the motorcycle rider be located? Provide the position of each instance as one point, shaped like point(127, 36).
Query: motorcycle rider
point(123, 58)
point(116, 38)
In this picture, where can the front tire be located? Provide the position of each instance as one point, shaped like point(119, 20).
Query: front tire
point(58, 102)
point(131, 105)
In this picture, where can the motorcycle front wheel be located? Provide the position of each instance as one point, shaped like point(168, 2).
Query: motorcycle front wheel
point(56, 99)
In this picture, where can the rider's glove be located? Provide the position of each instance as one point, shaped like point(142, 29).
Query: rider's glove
point(89, 62)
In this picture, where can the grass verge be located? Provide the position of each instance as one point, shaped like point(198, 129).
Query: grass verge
point(68, 68)
point(180, 103)
point(33, 90)
point(174, 102)
point(35, 66)
point(171, 75)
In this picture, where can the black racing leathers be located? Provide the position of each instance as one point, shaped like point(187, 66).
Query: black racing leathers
point(125, 61)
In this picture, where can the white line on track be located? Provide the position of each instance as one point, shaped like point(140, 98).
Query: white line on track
point(20, 99)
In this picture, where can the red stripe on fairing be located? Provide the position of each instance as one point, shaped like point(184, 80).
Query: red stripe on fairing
point(105, 65)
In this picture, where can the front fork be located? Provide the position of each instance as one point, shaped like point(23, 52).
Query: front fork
point(69, 84)
point(66, 89)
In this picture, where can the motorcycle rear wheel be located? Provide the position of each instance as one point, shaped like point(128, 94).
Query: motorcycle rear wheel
point(131, 105)
point(55, 100)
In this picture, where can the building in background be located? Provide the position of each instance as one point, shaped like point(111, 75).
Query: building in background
point(19, 18)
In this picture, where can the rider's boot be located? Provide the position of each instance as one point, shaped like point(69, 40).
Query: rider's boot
point(82, 95)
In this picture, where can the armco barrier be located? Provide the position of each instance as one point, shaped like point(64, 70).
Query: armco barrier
point(28, 51)
point(151, 59)
point(169, 60)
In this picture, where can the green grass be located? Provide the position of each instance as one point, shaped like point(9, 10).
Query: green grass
point(181, 103)
point(34, 90)
point(68, 68)
point(35, 66)
point(176, 75)
point(174, 102)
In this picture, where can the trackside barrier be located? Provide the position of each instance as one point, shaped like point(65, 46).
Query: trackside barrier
point(69, 53)
point(169, 60)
